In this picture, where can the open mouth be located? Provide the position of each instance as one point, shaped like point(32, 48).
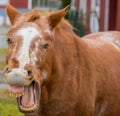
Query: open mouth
point(27, 96)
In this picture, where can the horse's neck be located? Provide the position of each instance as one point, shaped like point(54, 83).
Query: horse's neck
point(70, 53)
point(66, 70)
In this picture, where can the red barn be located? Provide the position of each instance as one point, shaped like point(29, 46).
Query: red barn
point(103, 15)
point(19, 3)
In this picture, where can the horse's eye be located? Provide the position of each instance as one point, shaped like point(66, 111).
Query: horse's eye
point(9, 41)
point(46, 45)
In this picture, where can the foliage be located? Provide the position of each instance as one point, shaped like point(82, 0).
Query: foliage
point(64, 4)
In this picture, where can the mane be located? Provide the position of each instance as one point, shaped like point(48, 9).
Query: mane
point(65, 24)
point(31, 16)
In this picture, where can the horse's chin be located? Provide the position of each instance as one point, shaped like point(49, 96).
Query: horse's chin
point(27, 97)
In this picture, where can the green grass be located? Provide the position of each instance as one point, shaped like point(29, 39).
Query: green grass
point(8, 105)
point(2, 57)
point(2, 65)
point(3, 51)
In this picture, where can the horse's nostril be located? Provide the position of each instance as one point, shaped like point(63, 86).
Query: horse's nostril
point(29, 73)
point(7, 70)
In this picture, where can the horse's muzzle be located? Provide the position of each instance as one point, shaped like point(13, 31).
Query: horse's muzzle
point(17, 76)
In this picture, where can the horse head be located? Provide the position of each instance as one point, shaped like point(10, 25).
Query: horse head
point(30, 54)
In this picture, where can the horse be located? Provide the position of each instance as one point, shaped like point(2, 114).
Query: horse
point(53, 72)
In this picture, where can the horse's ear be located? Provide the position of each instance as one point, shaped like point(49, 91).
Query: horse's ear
point(12, 13)
point(56, 17)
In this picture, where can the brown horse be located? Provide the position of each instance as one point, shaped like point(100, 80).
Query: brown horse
point(52, 72)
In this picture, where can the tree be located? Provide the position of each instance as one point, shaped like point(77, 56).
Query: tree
point(64, 4)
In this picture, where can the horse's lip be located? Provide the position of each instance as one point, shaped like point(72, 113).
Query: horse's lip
point(28, 110)
point(34, 107)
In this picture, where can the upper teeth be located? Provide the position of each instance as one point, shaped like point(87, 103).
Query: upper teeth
point(15, 94)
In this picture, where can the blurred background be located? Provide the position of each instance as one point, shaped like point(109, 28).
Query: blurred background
point(86, 16)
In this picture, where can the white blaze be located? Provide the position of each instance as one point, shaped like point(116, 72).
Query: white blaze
point(27, 34)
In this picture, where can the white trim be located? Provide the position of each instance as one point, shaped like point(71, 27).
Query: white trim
point(83, 6)
point(106, 19)
point(72, 6)
point(29, 4)
point(3, 2)
point(94, 16)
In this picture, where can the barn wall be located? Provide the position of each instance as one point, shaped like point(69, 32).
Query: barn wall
point(19, 3)
point(102, 15)
point(118, 16)
point(112, 14)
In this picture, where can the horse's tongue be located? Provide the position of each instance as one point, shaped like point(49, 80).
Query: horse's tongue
point(16, 89)
point(27, 100)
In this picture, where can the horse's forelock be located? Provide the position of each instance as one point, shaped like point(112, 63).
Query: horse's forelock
point(42, 18)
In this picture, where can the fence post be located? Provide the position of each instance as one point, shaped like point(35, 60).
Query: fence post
point(1, 77)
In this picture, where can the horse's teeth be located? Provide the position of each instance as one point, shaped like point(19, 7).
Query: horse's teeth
point(10, 94)
point(28, 109)
point(15, 94)
point(19, 94)
point(33, 107)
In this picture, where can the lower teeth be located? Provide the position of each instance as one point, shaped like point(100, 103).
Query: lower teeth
point(28, 109)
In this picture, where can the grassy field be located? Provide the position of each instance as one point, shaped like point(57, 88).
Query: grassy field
point(2, 65)
point(8, 105)
point(2, 57)
point(3, 51)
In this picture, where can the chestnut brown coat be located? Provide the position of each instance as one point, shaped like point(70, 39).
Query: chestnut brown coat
point(83, 73)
